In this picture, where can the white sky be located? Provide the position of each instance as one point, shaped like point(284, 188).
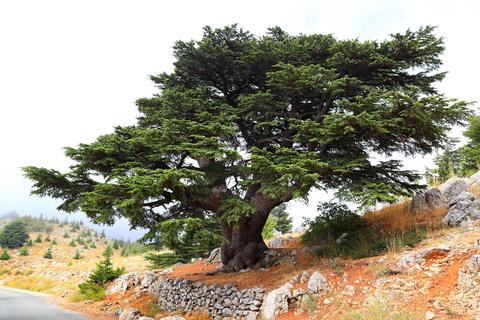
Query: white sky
point(71, 70)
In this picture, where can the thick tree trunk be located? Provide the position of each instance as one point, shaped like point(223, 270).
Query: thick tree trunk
point(245, 246)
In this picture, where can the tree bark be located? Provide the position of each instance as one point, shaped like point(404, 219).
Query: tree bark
point(245, 246)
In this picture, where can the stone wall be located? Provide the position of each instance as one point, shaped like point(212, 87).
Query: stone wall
point(220, 301)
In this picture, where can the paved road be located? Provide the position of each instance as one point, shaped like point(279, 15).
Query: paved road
point(18, 305)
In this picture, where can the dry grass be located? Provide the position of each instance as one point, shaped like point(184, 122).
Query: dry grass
point(397, 217)
point(31, 283)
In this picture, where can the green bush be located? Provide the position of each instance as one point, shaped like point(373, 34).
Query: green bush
point(334, 220)
point(23, 252)
point(361, 241)
point(30, 243)
point(13, 235)
point(72, 243)
point(5, 256)
point(91, 291)
point(38, 239)
point(94, 287)
point(66, 235)
point(54, 242)
point(77, 255)
point(164, 260)
point(49, 253)
point(93, 245)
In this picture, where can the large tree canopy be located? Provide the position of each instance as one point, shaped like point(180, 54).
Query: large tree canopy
point(246, 123)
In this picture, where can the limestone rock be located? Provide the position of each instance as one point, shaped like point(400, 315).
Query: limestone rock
point(124, 282)
point(462, 208)
point(278, 242)
point(453, 187)
point(276, 302)
point(317, 282)
point(146, 318)
point(215, 256)
point(173, 318)
point(129, 314)
point(430, 199)
point(429, 315)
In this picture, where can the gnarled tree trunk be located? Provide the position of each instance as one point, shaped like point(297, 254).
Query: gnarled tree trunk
point(245, 246)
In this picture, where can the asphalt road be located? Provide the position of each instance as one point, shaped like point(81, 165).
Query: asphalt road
point(19, 305)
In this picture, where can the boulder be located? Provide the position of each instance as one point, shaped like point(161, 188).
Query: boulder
point(453, 187)
point(124, 282)
point(129, 314)
point(276, 302)
point(148, 278)
point(475, 177)
point(462, 208)
point(430, 199)
point(173, 318)
point(215, 256)
point(278, 242)
point(317, 282)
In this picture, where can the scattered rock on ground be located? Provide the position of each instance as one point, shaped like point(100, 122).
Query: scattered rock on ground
point(317, 282)
point(129, 314)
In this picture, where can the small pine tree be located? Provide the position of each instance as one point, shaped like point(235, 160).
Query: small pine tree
point(48, 238)
point(30, 243)
point(116, 246)
point(49, 253)
point(93, 245)
point(13, 235)
point(72, 243)
point(5, 256)
point(105, 271)
point(54, 241)
point(66, 235)
point(23, 252)
point(38, 239)
point(77, 255)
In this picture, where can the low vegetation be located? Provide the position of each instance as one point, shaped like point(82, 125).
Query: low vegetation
point(13, 235)
point(94, 287)
point(339, 231)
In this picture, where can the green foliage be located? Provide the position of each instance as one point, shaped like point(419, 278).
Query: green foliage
point(283, 222)
point(94, 287)
point(77, 255)
point(133, 249)
point(13, 235)
point(361, 240)
point(91, 291)
point(38, 239)
point(458, 161)
point(5, 255)
point(188, 238)
point(72, 243)
point(48, 254)
point(47, 239)
point(66, 235)
point(334, 220)
point(29, 243)
point(93, 245)
point(245, 123)
point(268, 229)
point(164, 260)
point(54, 241)
point(116, 245)
point(23, 252)
point(105, 272)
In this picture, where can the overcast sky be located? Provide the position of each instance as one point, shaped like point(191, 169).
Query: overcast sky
point(71, 70)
